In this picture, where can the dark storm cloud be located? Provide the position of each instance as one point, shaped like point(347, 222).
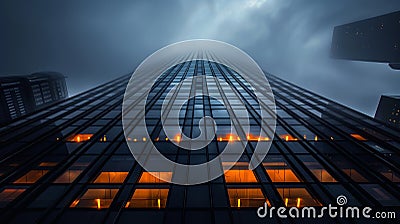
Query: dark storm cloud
point(95, 41)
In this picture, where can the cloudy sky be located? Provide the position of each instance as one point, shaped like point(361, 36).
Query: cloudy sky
point(95, 41)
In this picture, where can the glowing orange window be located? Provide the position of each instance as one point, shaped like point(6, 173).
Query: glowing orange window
point(279, 171)
point(8, 195)
point(239, 173)
point(155, 177)
point(148, 198)
point(95, 198)
point(246, 197)
point(31, 177)
point(45, 164)
point(111, 177)
point(297, 197)
point(240, 176)
point(79, 137)
point(288, 137)
point(358, 137)
point(282, 175)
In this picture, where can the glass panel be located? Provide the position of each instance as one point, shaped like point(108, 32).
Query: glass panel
point(95, 198)
point(354, 175)
point(111, 177)
point(31, 177)
point(68, 176)
point(79, 137)
point(239, 173)
point(323, 175)
point(148, 198)
point(155, 177)
point(279, 171)
point(8, 195)
point(358, 137)
point(246, 197)
point(298, 197)
point(282, 175)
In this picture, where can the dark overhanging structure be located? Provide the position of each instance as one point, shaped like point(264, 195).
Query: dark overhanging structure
point(375, 39)
point(24, 94)
point(388, 110)
point(69, 163)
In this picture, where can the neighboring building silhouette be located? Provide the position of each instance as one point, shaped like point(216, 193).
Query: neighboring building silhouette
point(321, 150)
point(388, 110)
point(20, 95)
point(376, 40)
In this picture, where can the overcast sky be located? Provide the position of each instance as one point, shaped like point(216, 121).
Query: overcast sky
point(95, 41)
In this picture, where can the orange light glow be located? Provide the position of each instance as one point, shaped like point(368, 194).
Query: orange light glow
point(79, 137)
point(288, 137)
point(111, 177)
point(298, 202)
point(95, 198)
point(48, 164)
point(148, 198)
point(155, 177)
point(246, 197)
point(286, 201)
point(98, 203)
point(144, 139)
point(316, 138)
point(235, 175)
point(358, 137)
point(74, 203)
point(178, 138)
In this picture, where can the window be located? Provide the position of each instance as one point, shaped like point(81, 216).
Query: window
point(323, 175)
point(95, 198)
point(8, 195)
point(282, 175)
point(79, 138)
point(111, 177)
point(246, 197)
point(297, 197)
point(155, 177)
point(354, 175)
point(148, 198)
point(240, 174)
point(31, 177)
point(358, 137)
point(68, 176)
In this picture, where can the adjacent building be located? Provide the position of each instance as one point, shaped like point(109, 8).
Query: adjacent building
point(388, 110)
point(375, 39)
point(70, 163)
point(20, 95)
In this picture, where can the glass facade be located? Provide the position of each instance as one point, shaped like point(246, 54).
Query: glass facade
point(70, 162)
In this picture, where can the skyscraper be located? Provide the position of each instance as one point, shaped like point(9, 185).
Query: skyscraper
point(388, 110)
point(20, 95)
point(375, 39)
point(70, 163)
